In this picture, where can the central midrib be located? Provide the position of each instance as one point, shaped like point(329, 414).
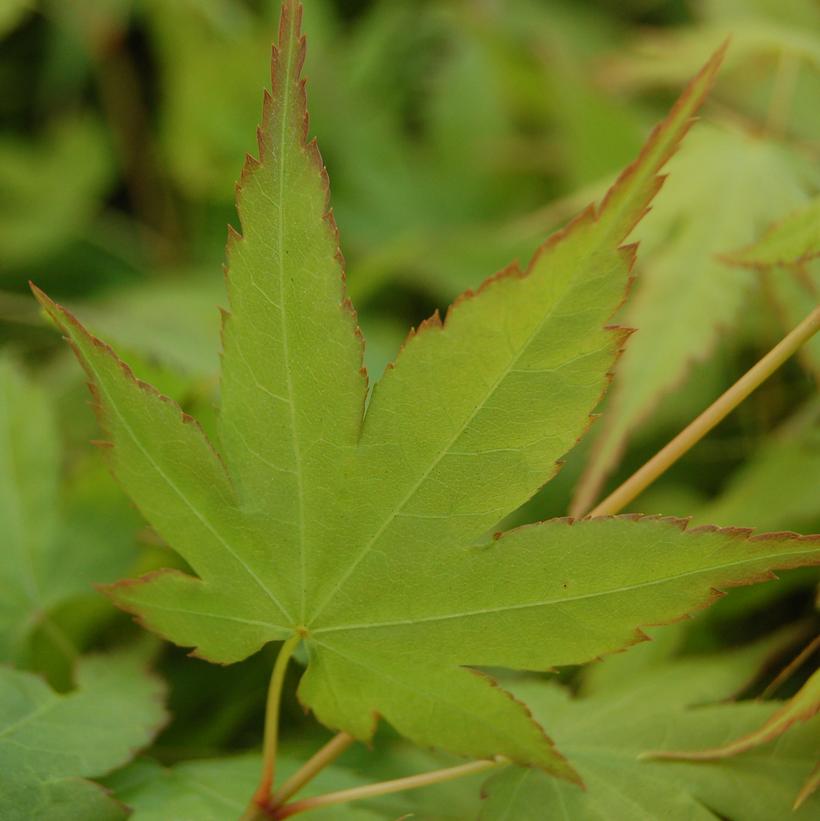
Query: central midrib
point(297, 457)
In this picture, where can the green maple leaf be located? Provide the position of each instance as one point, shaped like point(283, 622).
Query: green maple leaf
point(670, 706)
point(364, 534)
point(50, 743)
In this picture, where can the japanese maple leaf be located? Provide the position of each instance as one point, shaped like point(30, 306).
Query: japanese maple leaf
point(363, 531)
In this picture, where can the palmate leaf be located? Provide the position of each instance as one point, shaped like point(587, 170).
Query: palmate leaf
point(365, 534)
point(670, 706)
point(50, 742)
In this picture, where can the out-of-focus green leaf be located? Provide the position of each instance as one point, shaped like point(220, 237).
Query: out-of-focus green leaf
point(794, 294)
point(12, 12)
point(784, 255)
point(663, 650)
point(793, 240)
point(723, 188)
point(605, 733)
point(758, 28)
point(28, 498)
point(92, 22)
point(49, 742)
point(212, 55)
point(173, 321)
point(56, 543)
point(777, 487)
point(802, 706)
point(36, 215)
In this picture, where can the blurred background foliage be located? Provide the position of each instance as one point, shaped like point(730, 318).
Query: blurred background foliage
point(457, 135)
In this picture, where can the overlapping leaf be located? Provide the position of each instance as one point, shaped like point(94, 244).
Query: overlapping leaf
point(724, 188)
point(606, 733)
point(783, 257)
point(778, 39)
point(49, 743)
point(54, 547)
point(37, 217)
point(777, 486)
point(792, 241)
point(365, 533)
point(803, 706)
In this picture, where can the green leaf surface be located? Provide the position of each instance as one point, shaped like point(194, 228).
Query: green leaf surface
point(365, 534)
point(50, 742)
point(605, 734)
point(56, 800)
point(57, 541)
point(723, 189)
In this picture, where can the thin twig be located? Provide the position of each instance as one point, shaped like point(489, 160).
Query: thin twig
point(386, 787)
point(310, 769)
point(790, 668)
point(715, 413)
